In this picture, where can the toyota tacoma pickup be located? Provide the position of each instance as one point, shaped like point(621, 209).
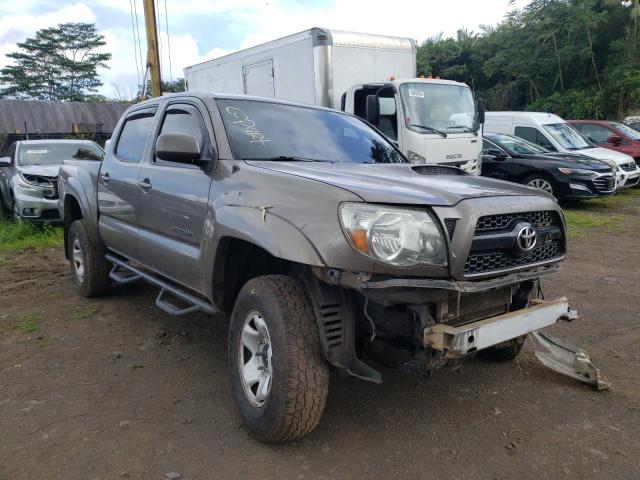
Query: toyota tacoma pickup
point(324, 245)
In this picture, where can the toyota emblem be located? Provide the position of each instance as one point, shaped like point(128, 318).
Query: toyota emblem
point(526, 238)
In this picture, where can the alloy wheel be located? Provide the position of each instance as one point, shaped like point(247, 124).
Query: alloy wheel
point(254, 359)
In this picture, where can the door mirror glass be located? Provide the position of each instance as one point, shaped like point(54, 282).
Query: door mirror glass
point(373, 110)
point(178, 147)
point(498, 154)
point(481, 111)
point(5, 162)
point(614, 139)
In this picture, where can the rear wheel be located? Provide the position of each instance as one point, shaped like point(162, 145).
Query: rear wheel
point(279, 377)
point(540, 182)
point(89, 269)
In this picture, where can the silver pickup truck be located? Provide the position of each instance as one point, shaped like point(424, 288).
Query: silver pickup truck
point(325, 246)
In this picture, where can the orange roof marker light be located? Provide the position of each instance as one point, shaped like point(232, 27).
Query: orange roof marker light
point(421, 76)
point(392, 78)
point(430, 77)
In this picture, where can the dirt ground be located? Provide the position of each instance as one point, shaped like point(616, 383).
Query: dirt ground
point(113, 388)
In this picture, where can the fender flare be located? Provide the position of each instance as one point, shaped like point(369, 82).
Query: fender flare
point(75, 189)
point(271, 232)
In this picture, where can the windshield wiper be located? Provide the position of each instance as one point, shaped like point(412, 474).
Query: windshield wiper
point(431, 129)
point(286, 158)
point(467, 129)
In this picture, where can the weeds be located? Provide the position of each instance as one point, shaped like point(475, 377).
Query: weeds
point(28, 323)
point(22, 235)
point(84, 314)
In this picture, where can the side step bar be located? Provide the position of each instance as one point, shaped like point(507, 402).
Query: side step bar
point(194, 303)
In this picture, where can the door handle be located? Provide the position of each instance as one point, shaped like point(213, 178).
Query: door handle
point(105, 177)
point(145, 184)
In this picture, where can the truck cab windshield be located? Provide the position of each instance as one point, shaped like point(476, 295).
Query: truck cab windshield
point(55, 153)
point(434, 108)
point(279, 132)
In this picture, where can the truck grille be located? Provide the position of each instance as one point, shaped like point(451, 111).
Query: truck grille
point(605, 183)
point(495, 248)
point(629, 167)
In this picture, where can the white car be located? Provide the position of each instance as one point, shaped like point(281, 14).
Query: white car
point(555, 134)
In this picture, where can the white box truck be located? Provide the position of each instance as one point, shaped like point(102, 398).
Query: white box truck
point(372, 76)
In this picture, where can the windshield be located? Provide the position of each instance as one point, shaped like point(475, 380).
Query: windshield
point(448, 108)
point(517, 145)
point(272, 131)
point(627, 130)
point(567, 136)
point(55, 153)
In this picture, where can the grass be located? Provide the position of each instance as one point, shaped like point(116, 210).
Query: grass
point(604, 212)
point(16, 236)
point(84, 314)
point(28, 323)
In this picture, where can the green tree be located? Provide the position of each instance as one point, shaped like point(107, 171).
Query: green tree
point(170, 86)
point(58, 63)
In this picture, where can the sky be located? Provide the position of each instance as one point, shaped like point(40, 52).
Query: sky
point(200, 30)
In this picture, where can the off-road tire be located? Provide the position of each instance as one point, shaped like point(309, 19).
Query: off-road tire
point(300, 379)
point(505, 352)
point(95, 281)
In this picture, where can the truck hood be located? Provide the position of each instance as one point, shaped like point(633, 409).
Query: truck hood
point(398, 183)
point(50, 171)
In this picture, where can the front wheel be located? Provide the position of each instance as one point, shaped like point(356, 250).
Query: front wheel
point(89, 269)
point(540, 182)
point(504, 352)
point(279, 377)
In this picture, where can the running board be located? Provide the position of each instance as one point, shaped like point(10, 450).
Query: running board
point(194, 303)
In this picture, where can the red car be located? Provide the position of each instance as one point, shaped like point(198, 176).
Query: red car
point(612, 135)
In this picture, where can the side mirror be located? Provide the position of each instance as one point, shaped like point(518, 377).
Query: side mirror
point(497, 154)
point(5, 162)
point(178, 147)
point(373, 109)
point(615, 139)
point(481, 110)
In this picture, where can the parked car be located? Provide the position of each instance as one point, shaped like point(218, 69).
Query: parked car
point(556, 135)
point(316, 234)
point(633, 122)
point(28, 176)
point(564, 175)
point(613, 135)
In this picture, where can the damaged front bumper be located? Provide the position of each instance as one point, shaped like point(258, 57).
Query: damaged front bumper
point(462, 340)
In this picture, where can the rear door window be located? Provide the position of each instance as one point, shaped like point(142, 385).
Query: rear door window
point(535, 136)
point(134, 136)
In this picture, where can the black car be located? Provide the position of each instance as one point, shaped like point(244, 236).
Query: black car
point(567, 176)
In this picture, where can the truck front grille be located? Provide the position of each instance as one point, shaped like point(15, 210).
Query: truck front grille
point(495, 245)
point(606, 183)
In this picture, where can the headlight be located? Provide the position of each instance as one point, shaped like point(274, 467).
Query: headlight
point(576, 171)
point(397, 236)
point(415, 158)
point(24, 182)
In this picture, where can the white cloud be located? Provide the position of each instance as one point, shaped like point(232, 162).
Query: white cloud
point(259, 21)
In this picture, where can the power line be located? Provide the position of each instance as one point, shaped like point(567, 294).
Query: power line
point(143, 63)
point(166, 24)
point(158, 27)
point(135, 44)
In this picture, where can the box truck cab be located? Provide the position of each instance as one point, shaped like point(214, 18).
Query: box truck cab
point(430, 120)
point(555, 134)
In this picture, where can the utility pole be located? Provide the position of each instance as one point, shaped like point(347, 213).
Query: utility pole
point(153, 58)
